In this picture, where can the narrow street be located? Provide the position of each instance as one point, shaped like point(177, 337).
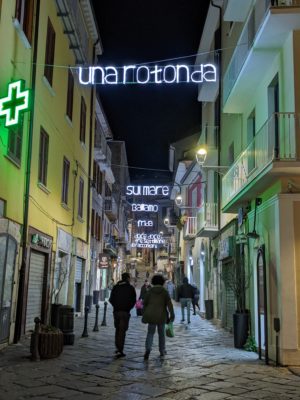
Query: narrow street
point(201, 363)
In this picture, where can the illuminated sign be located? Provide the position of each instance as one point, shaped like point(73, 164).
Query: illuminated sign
point(143, 74)
point(150, 241)
point(16, 102)
point(147, 191)
point(144, 223)
point(144, 207)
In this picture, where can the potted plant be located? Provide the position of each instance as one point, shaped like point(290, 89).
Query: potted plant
point(50, 341)
point(238, 282)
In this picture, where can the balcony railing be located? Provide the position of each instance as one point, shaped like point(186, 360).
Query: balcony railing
point(190, 228)
point(208, 217)
point(109, 242)
point(100, 143)
point(110, 207)
point(246, 40)
point(275, 141)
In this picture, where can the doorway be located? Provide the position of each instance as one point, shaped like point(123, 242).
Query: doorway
point(273, 114)
point(262, 316)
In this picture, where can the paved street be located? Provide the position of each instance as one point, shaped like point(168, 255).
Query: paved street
point(200, 364)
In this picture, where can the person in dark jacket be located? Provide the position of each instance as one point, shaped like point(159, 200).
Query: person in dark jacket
point(195, 299)
point(144, 289)
point(122, 298)
point(158, 309)
point(185, 295)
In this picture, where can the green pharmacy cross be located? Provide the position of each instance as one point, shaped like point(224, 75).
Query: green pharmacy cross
point(16, 102)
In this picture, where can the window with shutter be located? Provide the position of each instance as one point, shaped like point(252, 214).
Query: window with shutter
point(14, 148)
point(65, 181)
point(49, 54)
point(82, 120)
point(24, 14)
point(70, 94)
point(80, 198)
point(43, 157)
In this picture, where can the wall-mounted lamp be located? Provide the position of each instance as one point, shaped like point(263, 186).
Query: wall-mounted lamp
point(178, 200)
point(201, 156)
point(166, 221)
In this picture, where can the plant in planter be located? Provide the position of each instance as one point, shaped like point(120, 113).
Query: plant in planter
point(236, 280)
point(50, 341)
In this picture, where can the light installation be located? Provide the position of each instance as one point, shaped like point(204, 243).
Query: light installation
point(150, 241)
point(146, 223)
point(139, 190)
point(16, 102)
point(143, 74)
point(140, 207)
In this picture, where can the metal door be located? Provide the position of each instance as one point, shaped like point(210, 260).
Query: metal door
point(35, 288)
point(262, 305)
point(78, 285)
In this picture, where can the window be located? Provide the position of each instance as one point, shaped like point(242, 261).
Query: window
point(70, 93)
point(82, 120)
point(24, 14)
point(98, 231)
point(14, 148)
point(93, 223)
point(65, 181)
point(49, 55)
point(80, 198)
point(2, 207)
point(43, 157)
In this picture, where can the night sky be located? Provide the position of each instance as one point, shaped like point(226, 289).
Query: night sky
point(150, 117)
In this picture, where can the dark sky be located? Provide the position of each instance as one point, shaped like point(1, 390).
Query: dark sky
point(150, 117)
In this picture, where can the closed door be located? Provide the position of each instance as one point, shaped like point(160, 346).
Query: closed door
point(8, 248)
point(78, 284)
point(35, 288)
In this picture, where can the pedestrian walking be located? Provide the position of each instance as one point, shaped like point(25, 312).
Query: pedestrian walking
point(147, 274)
point(170, 288)
point(144, 289)
point(185, 296)
point(158, 309)
point(122, 298)
point(195, 299)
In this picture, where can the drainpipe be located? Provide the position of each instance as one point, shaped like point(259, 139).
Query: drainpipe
point(219, 110)
point(21, 290)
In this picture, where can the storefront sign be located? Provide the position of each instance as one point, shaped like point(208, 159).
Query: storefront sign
point(41, 241)
point(147, 190)
point(143, 74)
point(103, 260)
point(135, 207)
point(225, 248)
point(16, 102)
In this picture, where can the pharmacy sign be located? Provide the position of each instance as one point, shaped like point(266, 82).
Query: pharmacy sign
point(15, 103)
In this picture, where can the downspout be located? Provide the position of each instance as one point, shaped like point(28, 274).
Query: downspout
point(21, 289)
point(219, 110)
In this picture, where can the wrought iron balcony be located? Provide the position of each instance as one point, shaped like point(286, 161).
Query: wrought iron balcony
point(207, 220)
point(271, 153)
point(190, 228)
point(100, 145)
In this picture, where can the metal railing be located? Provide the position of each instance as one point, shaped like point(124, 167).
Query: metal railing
point(110, 205)
point(246, 40)
point(207, 217)
point(100, 141)
point(190, 228)
point(276, 140)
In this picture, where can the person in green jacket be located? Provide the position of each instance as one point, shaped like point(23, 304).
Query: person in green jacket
point(158, 309)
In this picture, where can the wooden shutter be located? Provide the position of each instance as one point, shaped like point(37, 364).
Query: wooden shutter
point(82, 120)
point(70, 94)
point(49, 55)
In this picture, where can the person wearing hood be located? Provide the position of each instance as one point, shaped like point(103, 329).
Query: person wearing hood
point(185, 295)
point(158, 309)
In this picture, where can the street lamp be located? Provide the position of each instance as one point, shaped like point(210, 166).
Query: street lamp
point(201, 156)
point(178, 200)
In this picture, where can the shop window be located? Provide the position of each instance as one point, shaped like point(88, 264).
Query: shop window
point(14, 148)
point(49, 55)
point(70, 94)
point(82, 120)
point(24, 15)
point(43, 157)
point(65, 181)
point(80, 197)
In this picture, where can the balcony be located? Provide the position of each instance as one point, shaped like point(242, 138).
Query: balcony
point(109, 244)
point(270, 155)
point(265, 31)
point(190, 228)
point(100, 145)
point(207, 220)
point(111, 208)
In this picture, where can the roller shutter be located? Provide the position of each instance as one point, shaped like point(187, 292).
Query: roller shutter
point(35, 288)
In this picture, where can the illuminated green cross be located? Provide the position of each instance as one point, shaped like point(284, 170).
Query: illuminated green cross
point(16, 101)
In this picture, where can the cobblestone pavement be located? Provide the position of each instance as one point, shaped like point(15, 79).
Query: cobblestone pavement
point(201, 363)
